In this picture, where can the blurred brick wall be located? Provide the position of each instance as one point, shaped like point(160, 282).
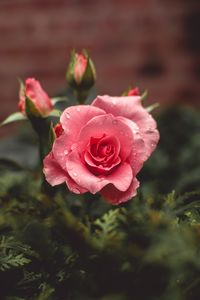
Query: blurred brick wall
point(152, 44)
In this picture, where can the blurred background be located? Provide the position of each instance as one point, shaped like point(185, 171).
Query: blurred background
point(152, 44)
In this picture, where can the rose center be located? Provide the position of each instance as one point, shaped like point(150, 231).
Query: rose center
point(102, 154)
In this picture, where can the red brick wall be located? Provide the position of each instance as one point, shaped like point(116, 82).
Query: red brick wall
point(152, 44)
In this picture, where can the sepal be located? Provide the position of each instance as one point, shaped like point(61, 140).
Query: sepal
point(150, 108)
point(14, 117)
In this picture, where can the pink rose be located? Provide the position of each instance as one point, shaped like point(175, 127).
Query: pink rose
point(79, 67)
point(103, 147)
point(37, 95)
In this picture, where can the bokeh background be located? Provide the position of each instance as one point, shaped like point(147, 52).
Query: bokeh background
point(152, 44)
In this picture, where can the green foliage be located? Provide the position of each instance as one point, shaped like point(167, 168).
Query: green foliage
point(106, 231)
point(13, 253)
point(62, 246)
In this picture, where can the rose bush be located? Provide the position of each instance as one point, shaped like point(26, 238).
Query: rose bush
point(33, 90)
point(102, 147)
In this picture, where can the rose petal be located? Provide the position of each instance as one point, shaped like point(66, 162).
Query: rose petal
point(138, 153)
point(74, 187)
point(81, 175)
point(118, 106)
point(54, 174)
point(115, 197)
point(75, 117)
point(110, 126)
point(95, 154)
point(100, 169)
point(121, 177)
point(130, 107)
point(61, 148)
point(78, 171)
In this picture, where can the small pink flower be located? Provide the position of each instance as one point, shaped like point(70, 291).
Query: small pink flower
point(103, 147)
point(33, 90)
point(134, 92)
point(79, 67)
point(58, 130)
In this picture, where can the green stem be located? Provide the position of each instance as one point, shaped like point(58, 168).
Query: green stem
point(81, 95)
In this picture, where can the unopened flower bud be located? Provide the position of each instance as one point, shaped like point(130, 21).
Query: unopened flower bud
point(33, 90)
point(58, 129)
point(81, 74)
point(134, 92)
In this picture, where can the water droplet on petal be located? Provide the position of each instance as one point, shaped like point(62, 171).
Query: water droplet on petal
point(75, 174)
point(67, 115)
point(114, 122)
point(78, 109)
point(113, 101)
point(66, 152)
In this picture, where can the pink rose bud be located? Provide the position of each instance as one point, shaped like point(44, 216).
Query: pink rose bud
point(58, 129)
point(81, 72)
point(134, 92)
point(33, 90)
point(79, 67)
point(103, 147)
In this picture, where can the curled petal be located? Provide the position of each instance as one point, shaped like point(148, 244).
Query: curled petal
point(130, 107)
point(75, 117)
point(100, 169)
point(115, 197)
point(54, 174)
point(74, 187)
point(111, 126)
point(120, 178)
point(81, 175)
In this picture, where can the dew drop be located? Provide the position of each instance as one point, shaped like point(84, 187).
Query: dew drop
point(66, 152)
point(67, 115)
point(114, 122)
point(75, 174)
point(114, 102)
point(78, 109)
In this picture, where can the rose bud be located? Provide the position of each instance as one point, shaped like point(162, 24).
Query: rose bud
point(58, 129)
point(134, 92)
point(103, 147)
point(81, 72)
point(33, 90)
point(131, 92)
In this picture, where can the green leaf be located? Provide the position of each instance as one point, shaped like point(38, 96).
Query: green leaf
point(144, 95)
point(107, 227)
point(56, 100)
point(55, 113)
point(152, 107)
point(17, 116)
point(31, 109)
